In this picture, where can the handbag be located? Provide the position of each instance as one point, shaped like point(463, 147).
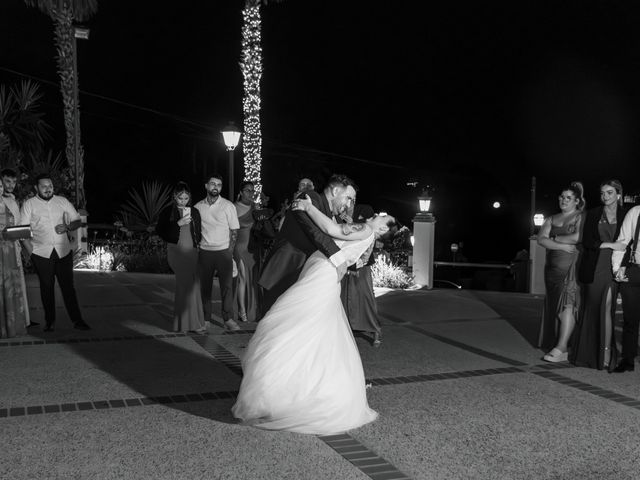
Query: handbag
point(632, 271)
point(19, 232)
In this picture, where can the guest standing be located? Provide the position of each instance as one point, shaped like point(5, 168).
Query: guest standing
point(13, 305)
point(9, 179)
point(219, 232)
point(559, 235)
point(594, 345)
point(629, 279)
point(245, 291)
point(51, 217)
point(358, 298)
point(181, 227)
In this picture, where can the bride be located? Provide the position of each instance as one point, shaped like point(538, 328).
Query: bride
point(302, 369)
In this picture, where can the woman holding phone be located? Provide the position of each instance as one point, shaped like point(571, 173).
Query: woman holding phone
point(181, 228)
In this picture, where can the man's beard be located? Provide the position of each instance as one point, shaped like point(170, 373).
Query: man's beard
point(47, 196)
point(214, 193)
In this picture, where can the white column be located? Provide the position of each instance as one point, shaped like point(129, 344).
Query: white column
point(424, 227)
point(537, 257)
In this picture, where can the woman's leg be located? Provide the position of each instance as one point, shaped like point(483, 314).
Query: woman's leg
point(567, 322)
point(608, 329)
point(242, 291)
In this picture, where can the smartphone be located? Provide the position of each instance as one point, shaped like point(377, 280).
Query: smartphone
point(186, 212)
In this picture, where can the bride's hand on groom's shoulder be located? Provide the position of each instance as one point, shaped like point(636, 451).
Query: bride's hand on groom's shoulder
point(303, 204)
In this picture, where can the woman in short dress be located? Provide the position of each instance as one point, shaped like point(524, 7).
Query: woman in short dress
point(181, 228)
point(559, 235)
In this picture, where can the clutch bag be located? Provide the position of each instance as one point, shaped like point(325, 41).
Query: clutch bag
point(18, 232)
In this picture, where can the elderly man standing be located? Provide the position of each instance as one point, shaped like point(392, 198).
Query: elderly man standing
point(51, 217)
point(219, 232)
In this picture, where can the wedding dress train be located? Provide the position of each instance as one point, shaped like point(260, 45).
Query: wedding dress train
point(302, 369)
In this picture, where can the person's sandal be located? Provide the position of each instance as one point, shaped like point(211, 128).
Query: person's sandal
point(555, 356)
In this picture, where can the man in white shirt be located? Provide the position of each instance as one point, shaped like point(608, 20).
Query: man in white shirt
point(51, 217)
point(630, 292)
point(219, 232)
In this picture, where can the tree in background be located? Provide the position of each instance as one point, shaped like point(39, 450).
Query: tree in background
point(64, 13)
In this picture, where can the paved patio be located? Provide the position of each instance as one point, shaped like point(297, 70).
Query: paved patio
point(460, 388)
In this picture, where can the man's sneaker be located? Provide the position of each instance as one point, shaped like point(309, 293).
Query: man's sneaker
point(232, 325)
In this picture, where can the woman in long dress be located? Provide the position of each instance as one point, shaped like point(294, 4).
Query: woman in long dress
point(14, 312)
point(245, 292)
point(180, 226)
point(559, 235)
point(594, 345)
point(302, 369)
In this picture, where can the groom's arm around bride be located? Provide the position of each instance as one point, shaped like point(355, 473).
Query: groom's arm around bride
point(299, 237)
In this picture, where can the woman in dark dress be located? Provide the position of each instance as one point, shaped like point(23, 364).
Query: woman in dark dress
point(245, 286)
point(559, 235)
point(181, 227)
point(594, 344)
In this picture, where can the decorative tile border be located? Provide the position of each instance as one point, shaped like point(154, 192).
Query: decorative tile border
point(587, 387)
point(116, 403)
point(220, 353)
point(367, 461)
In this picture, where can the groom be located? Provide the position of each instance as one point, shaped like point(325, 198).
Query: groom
point(299, 237)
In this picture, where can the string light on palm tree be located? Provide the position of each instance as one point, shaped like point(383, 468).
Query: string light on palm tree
point(251, 66)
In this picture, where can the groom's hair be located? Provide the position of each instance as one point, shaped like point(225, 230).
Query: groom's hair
point(340, 181)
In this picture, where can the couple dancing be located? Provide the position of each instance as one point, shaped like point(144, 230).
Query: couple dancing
point(302, 369)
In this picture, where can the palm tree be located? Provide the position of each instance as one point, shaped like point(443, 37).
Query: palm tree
point(64, 13)
point(23, 130)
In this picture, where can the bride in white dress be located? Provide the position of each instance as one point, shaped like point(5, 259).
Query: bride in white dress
point(302, 370)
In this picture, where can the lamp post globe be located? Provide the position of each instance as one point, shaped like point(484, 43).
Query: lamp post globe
point(231, 136)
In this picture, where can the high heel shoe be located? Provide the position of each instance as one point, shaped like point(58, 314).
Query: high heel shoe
point(556, 355)
point(625, 366)
point(243, 317)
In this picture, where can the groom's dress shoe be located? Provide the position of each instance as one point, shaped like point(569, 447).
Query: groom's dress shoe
point(625, 366)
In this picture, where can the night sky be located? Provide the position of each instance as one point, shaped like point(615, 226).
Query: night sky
point(472, 98)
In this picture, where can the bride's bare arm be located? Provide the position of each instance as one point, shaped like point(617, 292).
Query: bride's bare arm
point(351, 231)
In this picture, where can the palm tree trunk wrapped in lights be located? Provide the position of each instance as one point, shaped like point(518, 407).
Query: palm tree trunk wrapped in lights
point(251, 65)
point(64, 13)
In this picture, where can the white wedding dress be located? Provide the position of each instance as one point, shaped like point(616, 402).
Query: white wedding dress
point(302, 369)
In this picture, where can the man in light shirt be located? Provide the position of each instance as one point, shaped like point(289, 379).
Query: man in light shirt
point(219, 232)
point(51, 217)
point(630, 292)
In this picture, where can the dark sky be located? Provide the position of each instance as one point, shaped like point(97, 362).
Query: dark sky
point(472, 98)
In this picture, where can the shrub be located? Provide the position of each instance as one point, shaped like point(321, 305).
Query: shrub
point(387, 274)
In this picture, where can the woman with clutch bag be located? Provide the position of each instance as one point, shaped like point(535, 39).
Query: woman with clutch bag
point(14, 311)
point(180, 226)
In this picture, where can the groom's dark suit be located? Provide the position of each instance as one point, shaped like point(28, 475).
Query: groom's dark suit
point(298, 238)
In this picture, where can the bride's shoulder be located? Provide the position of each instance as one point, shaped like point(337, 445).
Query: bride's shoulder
point(349, 228)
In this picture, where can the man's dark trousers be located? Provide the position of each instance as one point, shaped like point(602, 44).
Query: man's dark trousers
point(48, 270)
point(210, 262)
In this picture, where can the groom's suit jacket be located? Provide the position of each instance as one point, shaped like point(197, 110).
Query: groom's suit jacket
point(298, 238)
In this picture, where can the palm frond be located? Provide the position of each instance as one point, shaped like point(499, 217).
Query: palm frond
point(82, 9)
point(143, 209)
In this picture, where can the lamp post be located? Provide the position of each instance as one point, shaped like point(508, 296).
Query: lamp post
point(423, 247)
point(231, 136)
point(537, 257)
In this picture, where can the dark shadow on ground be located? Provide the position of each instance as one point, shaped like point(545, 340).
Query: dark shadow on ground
point(153, 367)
